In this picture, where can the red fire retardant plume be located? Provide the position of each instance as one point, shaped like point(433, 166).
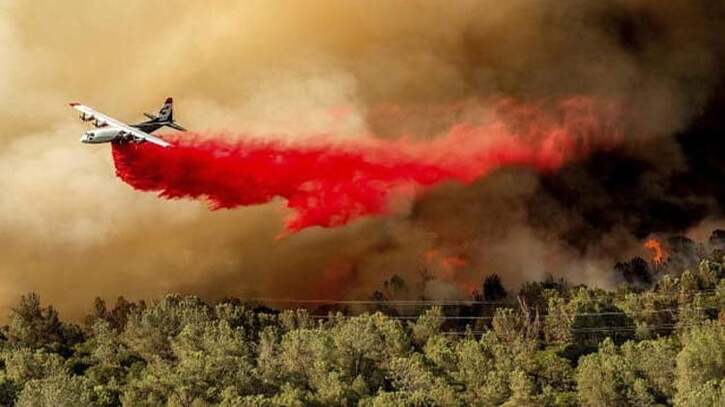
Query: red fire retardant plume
point(328, 182)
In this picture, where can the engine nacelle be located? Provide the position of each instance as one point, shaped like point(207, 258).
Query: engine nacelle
point(87, 117)
point(101, 136)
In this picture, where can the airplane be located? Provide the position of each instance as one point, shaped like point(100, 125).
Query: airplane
point(109, 130)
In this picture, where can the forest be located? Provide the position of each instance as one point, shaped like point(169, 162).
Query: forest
point(658, 339)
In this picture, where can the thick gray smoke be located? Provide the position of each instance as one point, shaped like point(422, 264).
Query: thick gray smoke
point(72, 231)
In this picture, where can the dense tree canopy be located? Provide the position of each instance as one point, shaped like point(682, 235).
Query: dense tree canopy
point(656, 340)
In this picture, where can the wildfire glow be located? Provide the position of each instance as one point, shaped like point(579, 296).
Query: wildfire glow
point(658, 253)
point(448, 263)
point(450, 268)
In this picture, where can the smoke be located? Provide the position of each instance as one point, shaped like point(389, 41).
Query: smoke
point(328, 184)
point(351, 71)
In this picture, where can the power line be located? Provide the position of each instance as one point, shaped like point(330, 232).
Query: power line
point(373, 302)
point(403, 317)
point(409, 302)
point(630, 328)
point(472, 317)
point(489, 318)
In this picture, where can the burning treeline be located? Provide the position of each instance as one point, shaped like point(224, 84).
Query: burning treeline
point(413, 80)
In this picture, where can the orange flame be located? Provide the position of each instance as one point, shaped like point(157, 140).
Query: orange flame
point(448, 263)
point(658, 253)
point(448, 268)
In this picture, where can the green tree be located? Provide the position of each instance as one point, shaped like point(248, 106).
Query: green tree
point(116, 317)
point(596, 318)
point(654, 362)
point(110, 362)
point(553, 377)
point(296, 319)
point(711, 393)
point(304, 356)
point(558, 321)
point(636, 374)
point(412, 377)
point(365, 345)
point(34, 326)
point(390, 399)
point(148, 331)
point(210, 358)
point(268, 363)
point(517, 328)
point(428, 325)
point(701, 360)
point(58, 390)
point(23, 365)
point(484, 369)
point(522, 391)
point(440, 351)
point(652, 313)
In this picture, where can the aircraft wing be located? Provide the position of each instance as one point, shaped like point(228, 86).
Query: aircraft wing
point(101, 120)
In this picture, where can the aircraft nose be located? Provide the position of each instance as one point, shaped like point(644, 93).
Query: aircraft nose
point(83, 138)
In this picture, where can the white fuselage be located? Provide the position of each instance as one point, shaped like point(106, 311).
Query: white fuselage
point(102, 135)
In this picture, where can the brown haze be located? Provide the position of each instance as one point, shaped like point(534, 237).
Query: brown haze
point(70, 230)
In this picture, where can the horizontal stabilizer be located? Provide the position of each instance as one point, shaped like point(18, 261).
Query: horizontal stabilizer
point(173, 125)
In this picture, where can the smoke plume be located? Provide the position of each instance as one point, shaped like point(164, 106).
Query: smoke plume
point(386, 75)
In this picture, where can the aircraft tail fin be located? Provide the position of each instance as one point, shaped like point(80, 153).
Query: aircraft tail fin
point(166, 114)
point(164, 118)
